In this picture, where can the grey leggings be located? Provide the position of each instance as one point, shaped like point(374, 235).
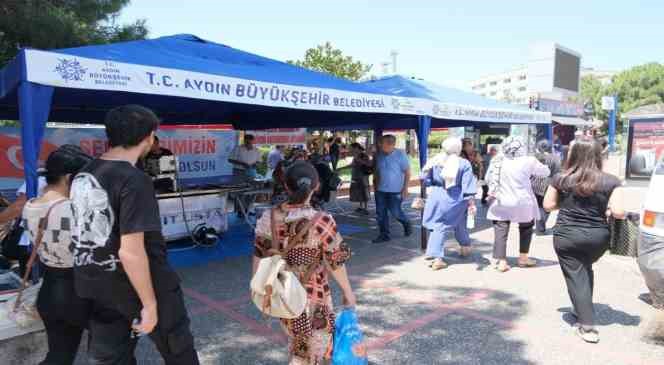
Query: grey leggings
point(501, 230)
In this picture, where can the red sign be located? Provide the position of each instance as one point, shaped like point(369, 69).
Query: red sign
point(649, 137)
point(11, 156)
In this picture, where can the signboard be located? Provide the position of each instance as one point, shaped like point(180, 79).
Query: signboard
point(561, 108)
point(67, 71)
point(208, 209)
point(280, 136)
point(647, 147)
point(608, 103)
point(553, 70)
point(203, 155)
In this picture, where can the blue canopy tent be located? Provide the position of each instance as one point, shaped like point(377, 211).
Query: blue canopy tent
point(187, 80)
point(455, 108)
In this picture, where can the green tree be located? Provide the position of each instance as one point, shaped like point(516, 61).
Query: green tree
point(48, 24)
point(638, 86)
point(326, 58)
point(591, 92)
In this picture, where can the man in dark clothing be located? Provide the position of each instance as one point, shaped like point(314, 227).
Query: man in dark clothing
point(119, 252)
point(335, 152)
point(540, 184)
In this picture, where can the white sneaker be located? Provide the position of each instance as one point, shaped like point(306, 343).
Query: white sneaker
point(590, 336)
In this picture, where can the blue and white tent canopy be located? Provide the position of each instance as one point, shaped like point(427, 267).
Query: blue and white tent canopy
point(449, 106)
point(187, 79)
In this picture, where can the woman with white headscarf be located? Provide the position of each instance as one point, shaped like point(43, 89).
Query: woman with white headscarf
point(451, 194)
point(512, 199)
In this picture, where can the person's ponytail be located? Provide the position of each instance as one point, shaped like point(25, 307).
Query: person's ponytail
point(301, 181)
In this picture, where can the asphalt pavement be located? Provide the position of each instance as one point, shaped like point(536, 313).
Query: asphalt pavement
point(466, 314)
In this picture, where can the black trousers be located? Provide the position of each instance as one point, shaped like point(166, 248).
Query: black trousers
point(111, 342)
point(544, 215)
point(64, 314)
point(577, 251)
point(501, 231)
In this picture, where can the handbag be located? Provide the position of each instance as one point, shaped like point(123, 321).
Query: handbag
point(276, 291)
point(22, 308)
point(624, 236)
point(10, 243)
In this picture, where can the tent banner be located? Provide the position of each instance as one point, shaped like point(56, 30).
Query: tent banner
point(492, 115)
point(202, 155)
point(280, 136)
point(177, 222)
point(61, 70)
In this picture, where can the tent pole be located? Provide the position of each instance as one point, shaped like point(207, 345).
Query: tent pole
point(34, 108)
point(423, 129)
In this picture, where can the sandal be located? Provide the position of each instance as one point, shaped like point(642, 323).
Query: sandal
point(502, 267)
point(438, 264)
point(527, 263)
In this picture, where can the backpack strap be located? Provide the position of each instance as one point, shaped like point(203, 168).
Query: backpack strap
point(43, 224)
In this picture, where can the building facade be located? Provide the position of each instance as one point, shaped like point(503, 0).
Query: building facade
point(512, 86)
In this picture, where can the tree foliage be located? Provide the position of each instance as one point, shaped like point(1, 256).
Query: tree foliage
point(638, 86)
point(48, 24)
point(326, 58)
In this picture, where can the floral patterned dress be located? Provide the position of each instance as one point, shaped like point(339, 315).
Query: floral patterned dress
point(310, 335)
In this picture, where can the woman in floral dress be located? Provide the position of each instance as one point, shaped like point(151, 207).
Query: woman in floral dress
point(321, 249)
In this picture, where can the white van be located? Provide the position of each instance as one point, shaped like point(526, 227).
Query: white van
point(652, 215)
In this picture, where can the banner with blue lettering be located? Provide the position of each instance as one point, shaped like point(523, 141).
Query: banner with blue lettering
point(202, 154)
point(67, 71)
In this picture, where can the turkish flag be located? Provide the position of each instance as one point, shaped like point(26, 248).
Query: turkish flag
point(11, 158)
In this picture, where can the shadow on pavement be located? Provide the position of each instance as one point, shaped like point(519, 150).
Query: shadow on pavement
point(605, 315)
point(411, 324)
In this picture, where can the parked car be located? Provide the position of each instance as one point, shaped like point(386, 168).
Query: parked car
point(651, 239)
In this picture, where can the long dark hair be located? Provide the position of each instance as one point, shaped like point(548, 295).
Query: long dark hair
point(583, 168)
point(301, 180)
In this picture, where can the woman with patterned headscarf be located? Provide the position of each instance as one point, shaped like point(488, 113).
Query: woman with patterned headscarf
point(512, 199)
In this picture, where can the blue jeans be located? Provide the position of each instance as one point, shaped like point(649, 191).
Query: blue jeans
point(438, 236)
point(389, 202)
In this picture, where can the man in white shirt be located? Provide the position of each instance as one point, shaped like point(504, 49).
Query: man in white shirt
point(245, 157)
point(273, 158)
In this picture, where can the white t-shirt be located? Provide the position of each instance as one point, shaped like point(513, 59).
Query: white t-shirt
point(41, 185)
point(243, 154)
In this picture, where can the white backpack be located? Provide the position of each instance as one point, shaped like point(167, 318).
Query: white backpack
point(276, 291)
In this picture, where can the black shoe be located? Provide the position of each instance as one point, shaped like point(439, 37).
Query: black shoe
point(381, 239)
point(407, 230)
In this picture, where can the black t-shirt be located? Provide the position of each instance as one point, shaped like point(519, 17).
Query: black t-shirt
point(334, 150)
point(578, 211)
point(111, 199)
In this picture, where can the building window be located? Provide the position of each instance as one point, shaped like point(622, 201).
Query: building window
point(481, 86)
point(522, 88)
point(493, 93)
point(483, 95)
point(493, 83)
point(522, 77)
point(507, 81)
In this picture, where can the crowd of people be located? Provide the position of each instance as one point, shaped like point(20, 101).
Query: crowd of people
point(104, 257)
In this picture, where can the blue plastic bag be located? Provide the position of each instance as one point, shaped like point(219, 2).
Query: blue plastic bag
point(349, 346)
